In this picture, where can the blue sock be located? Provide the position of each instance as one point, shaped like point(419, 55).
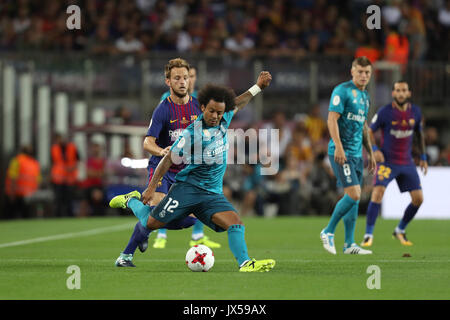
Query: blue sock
point(409, 214)
point(197, 230)
point(350, 224)
point(237, 244)
point(162, 233)
point(341, 208)
point(140, 210)
point(371, 217)
point(139, 235)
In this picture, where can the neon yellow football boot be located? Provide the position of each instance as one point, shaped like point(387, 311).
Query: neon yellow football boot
point(120, 201)
point(205, 241)
point(258, 265)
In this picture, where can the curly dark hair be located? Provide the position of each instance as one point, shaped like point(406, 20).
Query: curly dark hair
point(218, 94)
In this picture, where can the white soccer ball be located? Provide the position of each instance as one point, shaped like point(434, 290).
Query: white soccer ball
point(200, 258)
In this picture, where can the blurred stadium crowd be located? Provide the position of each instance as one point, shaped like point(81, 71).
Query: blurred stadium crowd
point(411, 31)
point(293, 28)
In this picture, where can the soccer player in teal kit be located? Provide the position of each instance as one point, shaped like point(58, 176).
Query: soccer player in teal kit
point(349, 106)
point(198, 237)
point(198, 187)
point(398, 122)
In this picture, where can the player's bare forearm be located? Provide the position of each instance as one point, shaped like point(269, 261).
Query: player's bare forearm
point(368, 145)
point(151, 147)
point(333, 128)
point(262, 82)
point(421, 137)
point(339, 153)
point(242, 100)
point(367, 139)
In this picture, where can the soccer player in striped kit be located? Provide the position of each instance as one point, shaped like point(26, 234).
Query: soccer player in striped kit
point(169, 119)
point(398, 122)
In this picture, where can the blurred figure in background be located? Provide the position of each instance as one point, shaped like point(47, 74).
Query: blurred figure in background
point(64, 174)
point(94, 202)
point(22, 181)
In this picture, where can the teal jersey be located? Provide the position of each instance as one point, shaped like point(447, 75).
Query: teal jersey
point(167, 93)
point(353, 106)
point(204, 151)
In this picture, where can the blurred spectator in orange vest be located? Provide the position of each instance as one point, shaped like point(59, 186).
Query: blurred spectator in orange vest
point(367, 47)
point(397, 48)
point(22, 181)
point(64, 174)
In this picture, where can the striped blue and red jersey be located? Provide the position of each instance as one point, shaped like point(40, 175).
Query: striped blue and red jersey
point(397, 132)
point(168, 121)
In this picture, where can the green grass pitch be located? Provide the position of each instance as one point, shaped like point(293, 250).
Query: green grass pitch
point(37, 269)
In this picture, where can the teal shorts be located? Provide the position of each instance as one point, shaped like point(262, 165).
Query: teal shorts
point(184, 198)
point(350, 173)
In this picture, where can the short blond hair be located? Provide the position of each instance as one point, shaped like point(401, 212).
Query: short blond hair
point(175, 63)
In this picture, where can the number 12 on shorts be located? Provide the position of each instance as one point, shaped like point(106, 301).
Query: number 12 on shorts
point(171, 204)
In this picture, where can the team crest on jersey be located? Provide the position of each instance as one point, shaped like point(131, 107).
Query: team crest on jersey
point(206, 133)
point(355, 94)
point(412, 122)
point(193, 117)
point(184, 121)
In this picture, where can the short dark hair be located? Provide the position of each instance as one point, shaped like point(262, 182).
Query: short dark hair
point(361, 61)
point(400, 81)
point(218, 94)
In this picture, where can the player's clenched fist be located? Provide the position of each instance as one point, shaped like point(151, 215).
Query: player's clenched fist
point(264, 79)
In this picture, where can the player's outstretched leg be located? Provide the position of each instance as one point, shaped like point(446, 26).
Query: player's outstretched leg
point(400, 231)
point(371, 217)
point(139, 238)
point(161, 239)
point(340, 210)
point(198, 237)
point(238, 246)
point(350, 247)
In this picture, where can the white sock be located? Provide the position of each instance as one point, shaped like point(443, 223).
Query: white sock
point(397, 230)
point(368, 235)
point(161, 235)
point(197, 236)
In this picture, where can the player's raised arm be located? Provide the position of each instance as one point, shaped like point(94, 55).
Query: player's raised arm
point(333, 128)
point(263, 81)
point(368, 145)
point(160, 171)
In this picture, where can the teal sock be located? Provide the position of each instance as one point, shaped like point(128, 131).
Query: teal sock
point(341, 208)
point(197, 229)
point(237, 243)
point(140, 210)
point(350, 224)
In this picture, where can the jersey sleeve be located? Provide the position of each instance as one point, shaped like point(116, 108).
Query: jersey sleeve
point(157, 122)
point(337, 101)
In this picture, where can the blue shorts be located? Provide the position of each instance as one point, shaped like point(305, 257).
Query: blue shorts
point(350, 173)
point(165, 183)
point(406, 176)
point(184, 198)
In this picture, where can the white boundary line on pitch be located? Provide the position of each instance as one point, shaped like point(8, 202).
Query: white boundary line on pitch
point(68, 235)
point(222, 260)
